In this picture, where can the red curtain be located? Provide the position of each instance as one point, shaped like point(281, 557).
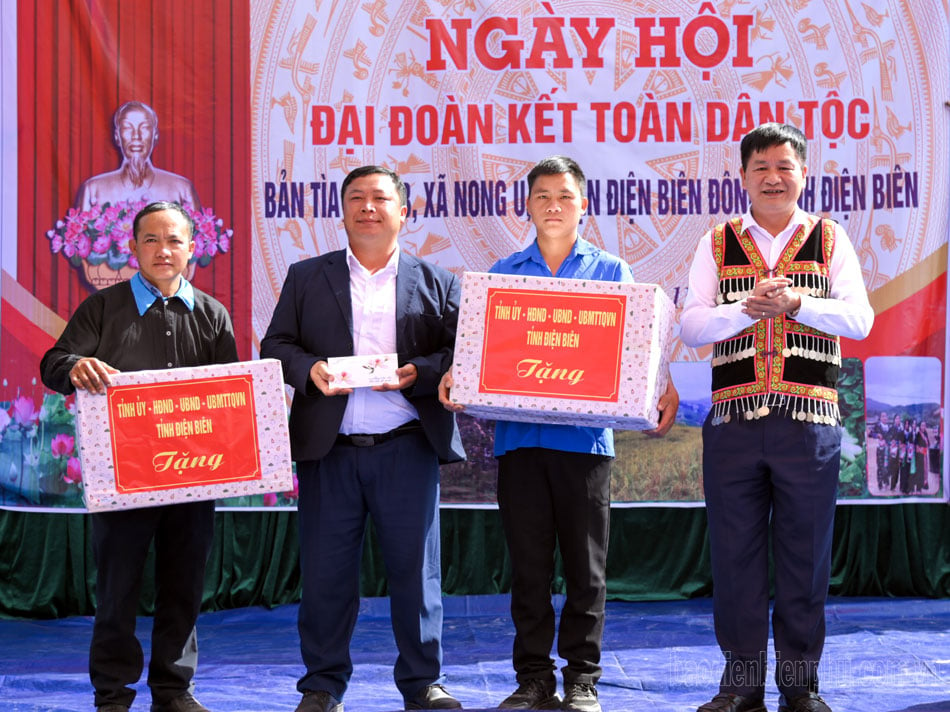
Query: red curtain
point(80, 60)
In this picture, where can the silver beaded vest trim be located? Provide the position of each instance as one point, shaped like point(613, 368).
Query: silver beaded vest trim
point(775, 365)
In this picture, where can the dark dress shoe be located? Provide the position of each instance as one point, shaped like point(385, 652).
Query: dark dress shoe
point(112, 707)
point(726, 702)
point(433, 697)
point(185, 702)
point(533, 694)
point(807, 702)
point(319, 701)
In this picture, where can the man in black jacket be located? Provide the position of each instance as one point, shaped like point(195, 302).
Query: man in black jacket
point(369, 451)
point(155, 320)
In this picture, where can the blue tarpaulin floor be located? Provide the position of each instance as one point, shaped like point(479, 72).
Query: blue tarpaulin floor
point(881, 655)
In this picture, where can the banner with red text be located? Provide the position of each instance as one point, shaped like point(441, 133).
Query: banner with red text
point(185, 435)
point(263, 107)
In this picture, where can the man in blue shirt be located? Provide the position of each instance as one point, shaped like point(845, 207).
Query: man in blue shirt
point(554, 480)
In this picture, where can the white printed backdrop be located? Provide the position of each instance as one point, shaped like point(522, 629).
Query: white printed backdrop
point(462, 98)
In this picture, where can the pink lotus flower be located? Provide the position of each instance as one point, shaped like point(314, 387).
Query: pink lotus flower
point(24, 411)
point(75, 220)
point(270, 499)
point(209, 248)
point(84, 246)
point(62, 445)
point(73, 471)
point(122, 230)
point(102, 233)
point(4, 420)
point(102, 244)
point(111, 214)
point(69, 244)
point(74, 225)
point(78, 244)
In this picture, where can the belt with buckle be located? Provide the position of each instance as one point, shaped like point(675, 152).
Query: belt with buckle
point(370, 439)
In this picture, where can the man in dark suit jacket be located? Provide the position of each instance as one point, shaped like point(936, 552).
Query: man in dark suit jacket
point(369, 451)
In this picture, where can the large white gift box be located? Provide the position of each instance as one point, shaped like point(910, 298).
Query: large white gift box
point(570, 351)
point(183, 435)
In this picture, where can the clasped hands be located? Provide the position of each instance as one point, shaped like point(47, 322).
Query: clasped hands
point(772, 297)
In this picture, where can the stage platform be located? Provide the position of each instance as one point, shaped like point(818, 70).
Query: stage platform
point(882, 655)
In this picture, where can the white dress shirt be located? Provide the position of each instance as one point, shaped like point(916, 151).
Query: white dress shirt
point(373, 297)
point(846, 313)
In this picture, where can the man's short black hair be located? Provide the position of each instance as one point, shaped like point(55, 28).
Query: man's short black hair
point(157, 207)
point(555, 165)
point(771, 134)
point(373, 170)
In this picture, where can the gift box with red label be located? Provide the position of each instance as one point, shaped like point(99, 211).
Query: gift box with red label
point(184, 434)
point(572, 351)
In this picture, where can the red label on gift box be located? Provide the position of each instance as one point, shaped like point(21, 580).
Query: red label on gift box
point(554, 344)
point(183, 433)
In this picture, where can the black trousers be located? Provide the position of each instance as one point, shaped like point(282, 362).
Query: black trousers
point(182, 534)
point(554, 498)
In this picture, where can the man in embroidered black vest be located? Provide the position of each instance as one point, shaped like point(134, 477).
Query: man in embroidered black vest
point(772, 290)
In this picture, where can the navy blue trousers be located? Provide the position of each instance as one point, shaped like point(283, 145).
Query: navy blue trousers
point(397, 484)
point(781, 475)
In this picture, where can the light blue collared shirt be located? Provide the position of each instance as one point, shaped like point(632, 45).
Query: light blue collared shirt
point(585, 261)
point(146, 293)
